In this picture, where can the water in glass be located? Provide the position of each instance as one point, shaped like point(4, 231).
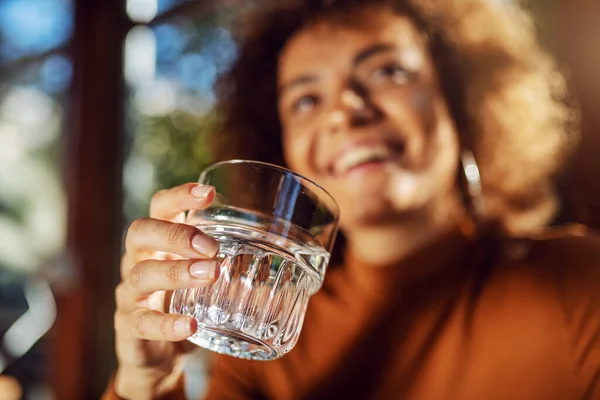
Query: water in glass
point(256, 308)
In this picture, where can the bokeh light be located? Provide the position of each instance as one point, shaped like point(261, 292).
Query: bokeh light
point(140, 56)
point(141, 10)
point(171, 71)
point(33, 26)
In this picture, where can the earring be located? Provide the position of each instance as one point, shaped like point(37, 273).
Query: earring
point(473, 178)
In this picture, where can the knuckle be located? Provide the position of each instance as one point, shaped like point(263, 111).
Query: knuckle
point(118, 321)
point(178, 235)
point(140, 325)
point(137, 275)
point(125, 265)
point(165, 327)
point(157, 197)
point(119, 295)
point(173, 272)
point(134, 228)
point(135, 225)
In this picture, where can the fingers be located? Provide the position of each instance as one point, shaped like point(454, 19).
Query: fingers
point(150, 276)
point(153, 275)
point(155, 325)
point(147, 282)
point(152, 235)
point(168, 204)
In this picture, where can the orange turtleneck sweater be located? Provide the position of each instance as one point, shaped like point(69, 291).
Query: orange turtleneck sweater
point(457, 320)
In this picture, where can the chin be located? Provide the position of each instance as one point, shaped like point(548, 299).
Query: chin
point(382, 203)
point(369, 209)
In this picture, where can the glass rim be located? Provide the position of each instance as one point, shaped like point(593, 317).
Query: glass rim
point(281, 170)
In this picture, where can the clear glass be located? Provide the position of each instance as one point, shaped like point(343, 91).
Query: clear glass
point(276, 230)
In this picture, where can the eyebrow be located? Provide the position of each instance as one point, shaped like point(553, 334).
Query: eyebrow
point(358, 59)
point(372, 51)
point(301, 80)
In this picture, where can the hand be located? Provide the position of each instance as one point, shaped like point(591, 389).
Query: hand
point(9, 388)
point(161, 254)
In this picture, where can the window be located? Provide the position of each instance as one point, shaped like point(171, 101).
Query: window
point(170, 68)
point(35, 72)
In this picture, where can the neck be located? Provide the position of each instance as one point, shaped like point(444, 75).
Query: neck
point(391, 243)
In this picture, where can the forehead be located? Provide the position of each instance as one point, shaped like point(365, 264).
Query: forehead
point(335, 42)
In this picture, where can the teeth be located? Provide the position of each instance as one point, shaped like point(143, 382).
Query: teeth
point(359, 156)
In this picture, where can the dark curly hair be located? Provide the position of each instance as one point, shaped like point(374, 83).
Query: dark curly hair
point(505, 94)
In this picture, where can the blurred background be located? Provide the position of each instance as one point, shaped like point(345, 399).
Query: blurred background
point(103, 102)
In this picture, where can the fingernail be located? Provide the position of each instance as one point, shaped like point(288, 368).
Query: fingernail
point(205, 245)
point(201, 191)
point(182, 325)
point(204, 270)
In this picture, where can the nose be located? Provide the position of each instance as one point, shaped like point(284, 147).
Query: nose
point(352, 109)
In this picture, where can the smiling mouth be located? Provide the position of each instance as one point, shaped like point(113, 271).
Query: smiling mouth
point(363, 155)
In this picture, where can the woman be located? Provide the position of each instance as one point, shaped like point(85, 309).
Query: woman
point(448, 287)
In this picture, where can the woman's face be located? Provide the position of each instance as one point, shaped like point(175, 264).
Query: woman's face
point(363, 115)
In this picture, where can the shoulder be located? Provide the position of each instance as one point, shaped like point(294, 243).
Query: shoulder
point(565, 260)
point(554, 274)
point(552, 277)
point(568, 254)
point(570, 257)
point(572, 240)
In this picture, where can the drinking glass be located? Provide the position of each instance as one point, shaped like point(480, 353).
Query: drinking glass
point(276, 230)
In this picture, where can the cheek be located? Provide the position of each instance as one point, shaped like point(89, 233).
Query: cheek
point(442, 143)
point(413, 108)
point(413, 111)
point(296, 151)
point(444, 149)
point(422, 101)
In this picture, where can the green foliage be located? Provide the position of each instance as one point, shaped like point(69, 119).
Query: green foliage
point(175, 145)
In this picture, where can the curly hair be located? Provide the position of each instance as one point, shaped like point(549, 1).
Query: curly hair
point(505, 94)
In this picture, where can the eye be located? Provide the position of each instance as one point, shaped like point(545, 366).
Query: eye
point(391, 72)
point(304, 104)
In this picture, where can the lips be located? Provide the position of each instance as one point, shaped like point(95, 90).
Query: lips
point(356, 155)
